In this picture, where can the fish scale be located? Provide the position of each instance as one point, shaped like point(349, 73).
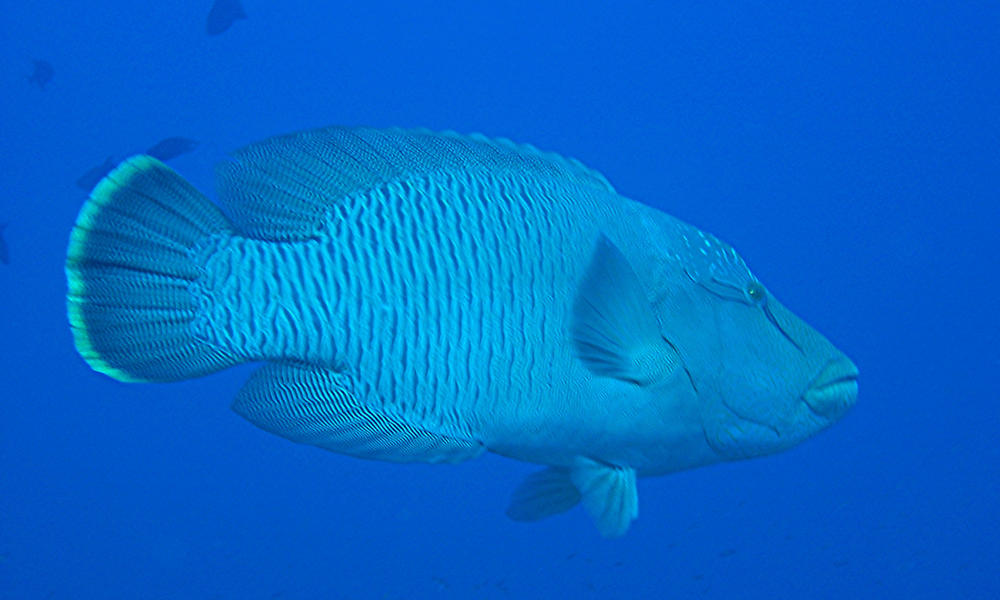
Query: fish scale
point(472, 285)
point(486, 313)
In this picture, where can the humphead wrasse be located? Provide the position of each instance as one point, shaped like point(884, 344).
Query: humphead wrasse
point(419, 296)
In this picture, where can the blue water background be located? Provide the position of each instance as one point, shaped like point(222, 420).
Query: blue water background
point(850, 151)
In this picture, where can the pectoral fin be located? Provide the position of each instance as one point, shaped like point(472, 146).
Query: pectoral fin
point(608, 493)
point(614, 330)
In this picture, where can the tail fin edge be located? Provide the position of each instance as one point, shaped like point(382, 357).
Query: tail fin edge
point(126, 314)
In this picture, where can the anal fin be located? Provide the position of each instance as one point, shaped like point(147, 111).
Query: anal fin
point(327, 409)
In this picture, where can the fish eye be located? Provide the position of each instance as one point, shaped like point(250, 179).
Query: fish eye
point(755, 292)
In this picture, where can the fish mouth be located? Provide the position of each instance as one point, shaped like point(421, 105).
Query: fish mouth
point(834, 389)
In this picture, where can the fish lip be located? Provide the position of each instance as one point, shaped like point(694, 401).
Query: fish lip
point(834, 389)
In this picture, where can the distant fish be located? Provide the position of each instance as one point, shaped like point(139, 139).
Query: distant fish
point(4, 255)
point(171, 147)
point(222, 16)
point(88, 180)
point(42, 74)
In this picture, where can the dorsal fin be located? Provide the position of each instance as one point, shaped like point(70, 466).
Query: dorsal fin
point(281, 188)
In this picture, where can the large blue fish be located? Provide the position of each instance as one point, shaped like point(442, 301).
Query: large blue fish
point(423, 296)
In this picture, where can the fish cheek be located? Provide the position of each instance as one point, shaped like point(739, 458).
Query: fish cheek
point(690, 322)
point(680, 377)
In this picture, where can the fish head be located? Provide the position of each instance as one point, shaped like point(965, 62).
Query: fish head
point(776, 381)
point(764, 379)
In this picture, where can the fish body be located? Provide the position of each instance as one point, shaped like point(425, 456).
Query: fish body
point(429, 297)
point(41, 73)
point(4, 252)
point(222, 15)
point(95, 174)
point(171, 147)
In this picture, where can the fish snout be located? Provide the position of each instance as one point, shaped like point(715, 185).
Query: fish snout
point(834, 390)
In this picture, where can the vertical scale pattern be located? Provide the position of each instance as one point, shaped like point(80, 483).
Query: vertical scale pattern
point(269, 300)
point(460, 273)
point(446, 293)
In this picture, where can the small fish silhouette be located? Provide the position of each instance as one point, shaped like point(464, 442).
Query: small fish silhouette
point(42, 74)
point(171, 147)
point(222, 16)
point(4, 254)
point(88, 180)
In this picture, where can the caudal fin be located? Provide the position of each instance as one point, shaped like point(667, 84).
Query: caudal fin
point(131, 259)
